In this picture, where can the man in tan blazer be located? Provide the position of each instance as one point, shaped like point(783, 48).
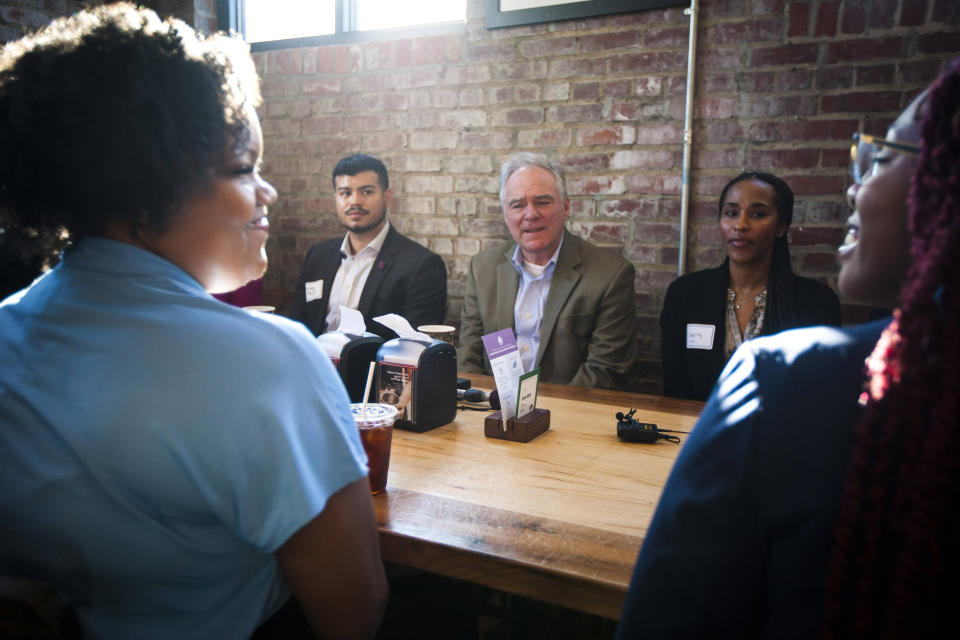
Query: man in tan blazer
point(570, 303)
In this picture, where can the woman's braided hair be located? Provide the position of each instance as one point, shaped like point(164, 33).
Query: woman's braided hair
point(897, 540)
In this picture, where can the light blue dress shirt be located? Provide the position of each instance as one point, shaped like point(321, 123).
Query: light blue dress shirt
point(528, 309)
point(157, 446)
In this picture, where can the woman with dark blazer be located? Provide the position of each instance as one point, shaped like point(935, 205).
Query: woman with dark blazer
point(708, 314)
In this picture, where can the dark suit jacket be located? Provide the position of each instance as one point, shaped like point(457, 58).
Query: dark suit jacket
point(588, 330)
point(701, 298)
point(406, 279)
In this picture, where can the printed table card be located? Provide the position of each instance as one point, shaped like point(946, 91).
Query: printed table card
point(501, 348)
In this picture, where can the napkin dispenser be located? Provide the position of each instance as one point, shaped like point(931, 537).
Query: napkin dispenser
point(351, 356)
point(419, 378)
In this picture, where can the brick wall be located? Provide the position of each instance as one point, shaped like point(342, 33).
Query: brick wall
point(780, 86)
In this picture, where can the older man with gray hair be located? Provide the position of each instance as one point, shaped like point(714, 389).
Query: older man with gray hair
point(570, 303)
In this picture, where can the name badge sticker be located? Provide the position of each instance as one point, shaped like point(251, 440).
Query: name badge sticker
point(314, 290)
point(700, 336)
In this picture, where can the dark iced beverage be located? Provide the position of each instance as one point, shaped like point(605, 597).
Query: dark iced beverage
point(376, 434)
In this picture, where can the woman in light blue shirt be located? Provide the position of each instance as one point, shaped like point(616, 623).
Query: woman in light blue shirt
point(174, 465)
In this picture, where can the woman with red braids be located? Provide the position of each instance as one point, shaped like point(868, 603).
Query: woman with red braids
point(817, 496)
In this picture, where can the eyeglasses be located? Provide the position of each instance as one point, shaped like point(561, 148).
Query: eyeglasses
point(864, 150)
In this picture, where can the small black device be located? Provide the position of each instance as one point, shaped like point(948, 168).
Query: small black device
point(631, 430)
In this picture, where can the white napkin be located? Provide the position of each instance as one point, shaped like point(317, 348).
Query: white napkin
point(402, 327)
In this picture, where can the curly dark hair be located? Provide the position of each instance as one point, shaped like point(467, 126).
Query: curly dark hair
point(780, 314)
point(358, 163)
point(896, 553)
point(114, 115)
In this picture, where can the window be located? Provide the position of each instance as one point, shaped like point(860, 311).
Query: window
point(312, 22)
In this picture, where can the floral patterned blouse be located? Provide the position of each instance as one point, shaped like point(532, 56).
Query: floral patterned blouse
point(754, 326)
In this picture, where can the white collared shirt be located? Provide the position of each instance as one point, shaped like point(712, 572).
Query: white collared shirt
point(531, 298)
point(352, 276)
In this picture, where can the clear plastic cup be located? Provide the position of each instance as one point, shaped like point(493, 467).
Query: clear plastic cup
point(376, 434)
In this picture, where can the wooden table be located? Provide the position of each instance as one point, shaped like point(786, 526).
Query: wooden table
point(558, 519)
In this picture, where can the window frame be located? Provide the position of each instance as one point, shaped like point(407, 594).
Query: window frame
point(230, 18)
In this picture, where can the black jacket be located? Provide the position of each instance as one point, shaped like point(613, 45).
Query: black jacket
point(701, 298)
point(406, 279)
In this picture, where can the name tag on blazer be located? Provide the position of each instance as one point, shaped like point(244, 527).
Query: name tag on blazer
point(700, 336)
point(314, 290)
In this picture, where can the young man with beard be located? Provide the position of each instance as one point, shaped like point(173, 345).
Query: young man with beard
point(373, 268)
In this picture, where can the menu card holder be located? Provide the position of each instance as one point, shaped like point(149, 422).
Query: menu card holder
point(523, 429)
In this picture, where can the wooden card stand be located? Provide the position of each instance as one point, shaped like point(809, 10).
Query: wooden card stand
point(522, 429)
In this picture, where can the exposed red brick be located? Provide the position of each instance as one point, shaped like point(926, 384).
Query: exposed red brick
point(862, 101)
point(289, 61)
point(752, 31)
point(324, 59)
point(521, 116)
point(876, 74)
point(320, 86)
point(720, 132)
point(717, 158)
point(520, 70)
point(618, 88)
point(946, 42)
point(763, 132)
point(853, 18)
point(920, 71)
point(606, 136)
point(659, 134)
point(453, 47)
point(436, 49)
point(803, 105)
point(806, 185)
point(784, 54)
point(657, 184)
point(819, 261)
point(767, 7)
point(584, 161)
point(609, 233)
point(783, 159)
point(944, 10)
point(585, 90)
point(609, 40)
point(838, 77)
point(638, 63)
point(566, 68)
point(346, 59)
point(794, 80)
point(717, 82)
point(801, 130)
point(799, 19)
point(643, 159)
point(327, 124)
point(402, 52)
point(881, 17)
point(548, 47)
point(677, 84)
point(761, 82)
point(666, 37)
point(849, 51)
point(527, 93)
point(486, 53)
point(596, 185)
point(420, 51)
point(913, 13)
point(575, 112)
point(631, 208)
point(649, 86)
point(835, 157)
point(826, 22)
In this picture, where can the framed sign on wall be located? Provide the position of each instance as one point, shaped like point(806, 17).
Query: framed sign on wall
point(509, 13)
